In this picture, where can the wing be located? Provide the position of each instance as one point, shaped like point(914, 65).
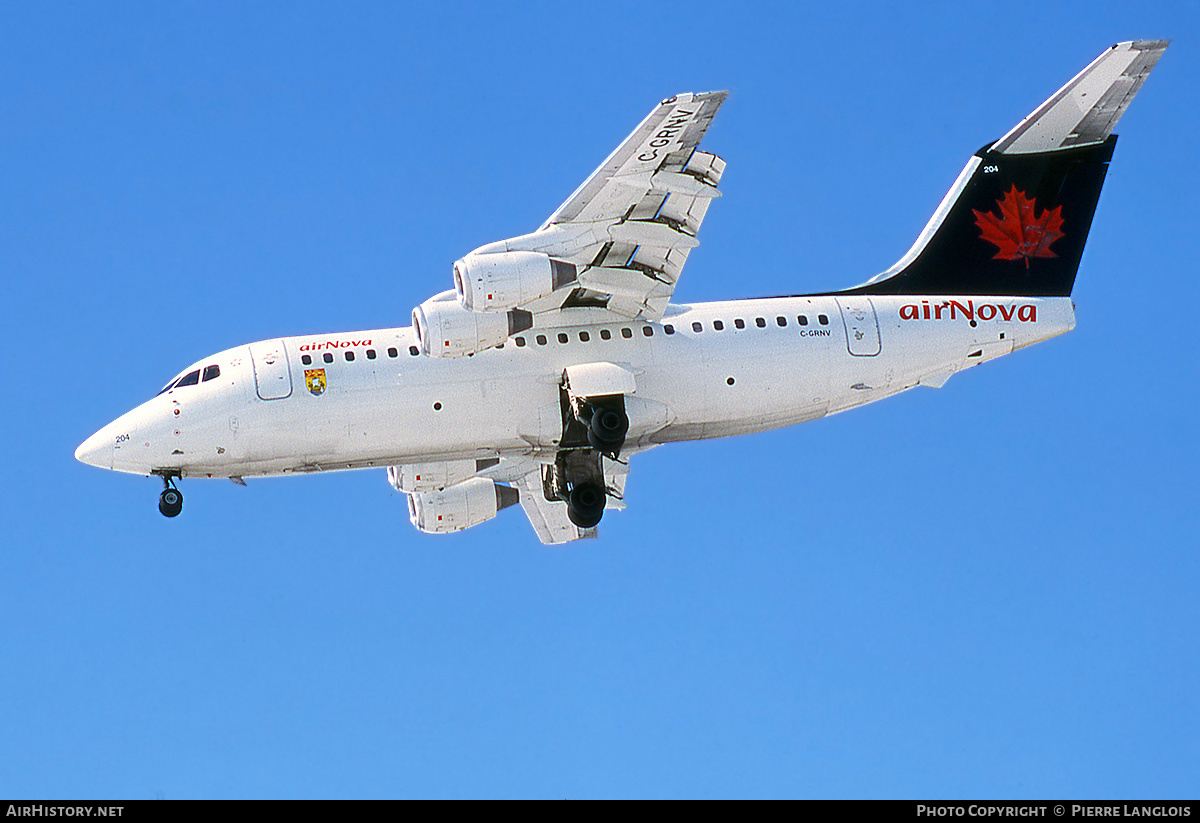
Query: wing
point(628, 229)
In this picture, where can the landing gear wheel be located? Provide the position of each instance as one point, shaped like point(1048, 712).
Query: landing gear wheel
point(585, 505)
point(170, 502)
point(607, 429)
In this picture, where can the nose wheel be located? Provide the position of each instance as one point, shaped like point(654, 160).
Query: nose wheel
point(170, 502)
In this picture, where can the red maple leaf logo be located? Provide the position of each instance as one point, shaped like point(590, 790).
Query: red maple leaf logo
point(1018, 232)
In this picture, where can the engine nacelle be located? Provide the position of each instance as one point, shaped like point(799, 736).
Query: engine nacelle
point(505, 280)
point(459, 507)
point(446, 329)
point(430, 477)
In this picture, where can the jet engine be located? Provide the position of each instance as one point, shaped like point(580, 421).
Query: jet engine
point(459, 507)
point(446, 329)
point(505, 280)
point(430, 477)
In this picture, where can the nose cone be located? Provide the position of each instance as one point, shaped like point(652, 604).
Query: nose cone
point(97, 450)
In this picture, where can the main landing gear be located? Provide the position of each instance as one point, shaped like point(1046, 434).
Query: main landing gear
point(585, 504)
point(170, 502)
point(578, 479)
point(607, 427)
point(593, 427)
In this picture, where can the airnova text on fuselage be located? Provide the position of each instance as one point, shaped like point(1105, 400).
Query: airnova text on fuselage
point(559, 354)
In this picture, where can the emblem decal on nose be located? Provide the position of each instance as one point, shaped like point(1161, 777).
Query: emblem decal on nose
point(315, 380)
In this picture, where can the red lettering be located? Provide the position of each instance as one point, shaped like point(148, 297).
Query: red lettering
point(335, 344)
point(937, 311)
point(1007, 315)
point(926, 305)
point(968, 313)
point(1027, 314)
point(908, 312)
point(989, 308)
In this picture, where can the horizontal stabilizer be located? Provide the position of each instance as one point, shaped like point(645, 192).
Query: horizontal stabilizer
point(1085, 110)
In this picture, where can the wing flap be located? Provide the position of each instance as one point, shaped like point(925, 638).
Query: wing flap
point(665, 140)
point(639, 212)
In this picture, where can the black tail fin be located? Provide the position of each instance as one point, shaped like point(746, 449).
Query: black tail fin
point(1017, 218)
point(1016, 227)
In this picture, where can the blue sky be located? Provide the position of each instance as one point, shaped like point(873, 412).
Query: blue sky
point(987, 590)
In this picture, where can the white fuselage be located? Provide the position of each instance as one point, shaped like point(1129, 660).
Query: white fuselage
point(271, 412)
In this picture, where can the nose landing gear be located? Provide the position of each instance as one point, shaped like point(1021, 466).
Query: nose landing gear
point(170, 502)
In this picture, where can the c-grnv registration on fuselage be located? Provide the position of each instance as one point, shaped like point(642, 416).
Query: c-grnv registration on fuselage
point(558, 355)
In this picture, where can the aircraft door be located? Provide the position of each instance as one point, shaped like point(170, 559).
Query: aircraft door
point(862, 327)
point(272, 377)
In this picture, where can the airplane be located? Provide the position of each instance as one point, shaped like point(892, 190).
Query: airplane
point(558, 355)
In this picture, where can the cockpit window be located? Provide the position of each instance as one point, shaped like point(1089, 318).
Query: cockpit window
point(191, 378)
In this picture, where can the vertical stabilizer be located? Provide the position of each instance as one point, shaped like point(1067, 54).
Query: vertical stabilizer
point(1016, 220)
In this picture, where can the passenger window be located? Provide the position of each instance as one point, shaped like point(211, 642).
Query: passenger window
point(627, 332)
point(211, 373)
point(605, 334)
point(541, 339)
point(739, 323)
point(370, 354)
point(189, 379)
point(760, 322)
point(669, 329)
point(414, 351)
point(306, 360)
point(562, 338)
point(781, 321)
point(696, 327)
point(392, 352)
point(802, 319)
point(718, 325)
point(327, 357)
point(520, 342)
point(584, 337)
point(648, 331)
point(823, 320)
point(349, 357)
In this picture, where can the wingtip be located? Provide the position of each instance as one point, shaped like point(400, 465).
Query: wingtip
point(1143, 45)
point(697, 95)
